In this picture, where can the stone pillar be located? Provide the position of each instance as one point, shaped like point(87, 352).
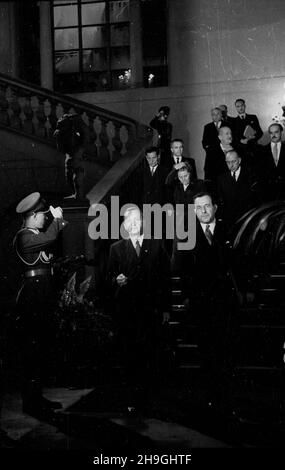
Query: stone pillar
point(9, 31)
point(14, 38)
point(136, 53)
point(46, 51)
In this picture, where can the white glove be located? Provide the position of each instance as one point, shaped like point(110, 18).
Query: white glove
point(56, 212)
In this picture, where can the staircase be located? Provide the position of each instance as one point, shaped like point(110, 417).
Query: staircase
point(259, 332)
point(185, 333)
point(261, 327)
point(29, 158)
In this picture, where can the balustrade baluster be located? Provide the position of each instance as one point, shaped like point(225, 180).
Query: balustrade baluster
point(110, 128)
point(14, 114)
point(47, 112)
point(28, 121)
point(104, 140)
point(117, 141)
point(4, 105)
point(124, 137)
point(91, 149)
point(41, 130)
point(34, 107)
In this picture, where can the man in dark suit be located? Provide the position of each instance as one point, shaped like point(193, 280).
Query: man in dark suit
point(242, 121)
point(139, 275)
point(228, 120)
point(207, 293)
point(237, 189)
point(211, 130)
point(178, 162)
point(215, 164)
point(153, 179)
point(270, 164)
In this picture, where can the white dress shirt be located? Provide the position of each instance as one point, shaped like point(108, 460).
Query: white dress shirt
point(212, 226)
point(135, 239)
point(278, 150)
point(237, 173)
point(153, 169)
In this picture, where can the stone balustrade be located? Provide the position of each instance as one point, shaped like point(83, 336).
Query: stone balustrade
point(34, 111)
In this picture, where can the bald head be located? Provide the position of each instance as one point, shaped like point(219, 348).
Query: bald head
point(233, 160)
point(225, 135)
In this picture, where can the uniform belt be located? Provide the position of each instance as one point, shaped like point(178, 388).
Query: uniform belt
point(39, 272)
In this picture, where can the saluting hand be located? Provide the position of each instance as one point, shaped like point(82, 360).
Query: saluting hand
point(56, 212)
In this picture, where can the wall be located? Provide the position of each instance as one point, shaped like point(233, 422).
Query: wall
point(219, 50)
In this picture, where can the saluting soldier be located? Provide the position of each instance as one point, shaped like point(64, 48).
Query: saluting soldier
point(36, 299)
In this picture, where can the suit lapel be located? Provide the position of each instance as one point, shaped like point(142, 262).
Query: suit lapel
point(281, 160)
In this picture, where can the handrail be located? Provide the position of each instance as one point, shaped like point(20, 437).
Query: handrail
point(33, 111)
point(46, 93)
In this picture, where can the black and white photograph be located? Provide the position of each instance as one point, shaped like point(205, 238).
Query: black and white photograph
point(142, 237)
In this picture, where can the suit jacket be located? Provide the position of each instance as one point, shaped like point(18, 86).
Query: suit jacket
point(148, 286)
point(272, 177)
point(236, 197)
point(206, 265)
point(154, 189)
point(268, 169)
point(240, 125)
point(210, 136)
point(215, 163)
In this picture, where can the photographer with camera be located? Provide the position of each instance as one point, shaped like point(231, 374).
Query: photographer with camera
point(164, 128)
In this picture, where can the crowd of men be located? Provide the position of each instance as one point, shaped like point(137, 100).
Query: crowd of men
point(238, 171)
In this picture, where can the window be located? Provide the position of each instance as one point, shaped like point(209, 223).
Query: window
point(154, 37)
point(92, 44)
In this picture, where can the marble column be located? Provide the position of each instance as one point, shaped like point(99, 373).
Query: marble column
point(136, 53)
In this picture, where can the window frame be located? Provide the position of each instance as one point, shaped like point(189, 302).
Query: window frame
point(83, 74)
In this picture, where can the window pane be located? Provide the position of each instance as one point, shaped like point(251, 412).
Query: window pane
point(67, 62)
point(119, 11)
point(64, 1)
point(120, 35)
point(96, 81)
point(120, 58)
point(65, 16)
point(95, 60)
point(94, 36)
point(94, 13)
point(155, 76)
point(66, 39)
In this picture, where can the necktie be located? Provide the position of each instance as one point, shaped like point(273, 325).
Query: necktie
point(275, 153)
point(152, 170)
point(177, 160)
point(234, 176)
point(138, 248)
point(208, 234)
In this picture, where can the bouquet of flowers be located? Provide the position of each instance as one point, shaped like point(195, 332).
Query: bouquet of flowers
point(84, 332)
